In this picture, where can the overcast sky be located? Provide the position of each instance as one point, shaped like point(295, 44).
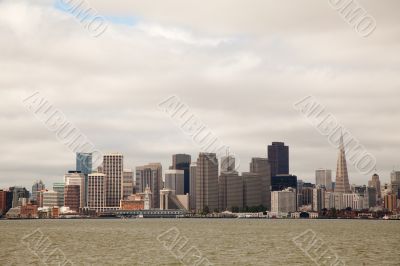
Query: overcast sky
point(239, 66)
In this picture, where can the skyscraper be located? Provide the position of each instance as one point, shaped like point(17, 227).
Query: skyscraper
point(150, 176)
point(84, 165)
point(278, 156)
point(192, 191)
point(182, 162)
point(324, 177)
point(77, 178)
point(96, 195)
point(37, 186)
point(207, 182)
point(252, 187)
point(281, 182)
point(5, 201)
point(113, 167)
point(127, 183)
point(262, 167)
point(395, 182)
point(72, 197)
point(376, 183)
point(59, 187)
point(342, 177)
point(174, 180)
point(230, 191)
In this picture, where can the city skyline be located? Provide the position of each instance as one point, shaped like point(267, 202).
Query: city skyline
point(244, 60)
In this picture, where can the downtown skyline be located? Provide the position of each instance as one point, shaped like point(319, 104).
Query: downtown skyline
point(214, 66)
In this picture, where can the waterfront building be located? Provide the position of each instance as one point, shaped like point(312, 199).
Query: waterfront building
point(318, 201)
point(77, 178)
point(390, 202)
point(281, 182)
point(278, 156)
point(60, 188)
point(192, 190)
point(342, 177)
point(283, 201)
point(207, 182)
point(5, 201)
point(252, 190)
point(50, 199)
point(170, 201)
point(182, 162)
point(18, 193)
point(127, 183)
point(72, 198)
point(230, 191)
point(150, 176)
point(174, 180)
point(113, 167)
point(261, 166)
point(323, 177)
point(96, 193)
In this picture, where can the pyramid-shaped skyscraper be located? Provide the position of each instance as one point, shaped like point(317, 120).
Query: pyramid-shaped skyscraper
point(342, 176)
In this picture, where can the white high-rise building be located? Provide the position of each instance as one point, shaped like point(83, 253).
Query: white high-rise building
point(113, 167)
point(76, 178)
point(324, 177)
point(318, 201)
point(50, 199)
point(96, 193)
point(283, 201)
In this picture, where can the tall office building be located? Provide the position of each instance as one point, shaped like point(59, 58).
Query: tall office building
point(323, 177)
point(230, 191)
point(390, 202)
point(72, 197)
point(278, 156)
point(192, 190)
point(96, 195)
point(127, 183)
point(207, 182)
point(37, 186)
point(60, 188)
point(5, 201)
point(18, 193)
point(150, 176)
point(318, 202)
point(262, 167)
point(182, 162)
point(113, 167)
point(281, 182)
point(77, 178)
point(174, 180)
point(283, 201)
point(252, 189)
point(342, 176)
point(84, 165)
point(376, 183)
point(395, 182)
point(227, 163)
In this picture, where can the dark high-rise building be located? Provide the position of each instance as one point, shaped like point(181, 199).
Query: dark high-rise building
point(72, 197)
point(278, 156)
point(18, 193)
point(5, 201)
point(182, 162)
point(262, 167)
point(281, 182)
point(207, 182)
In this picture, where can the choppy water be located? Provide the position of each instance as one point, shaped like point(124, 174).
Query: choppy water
point(222, 242)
